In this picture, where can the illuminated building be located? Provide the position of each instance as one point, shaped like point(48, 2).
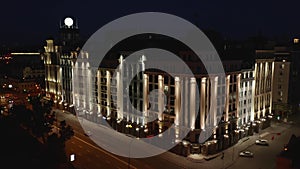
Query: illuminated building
point(264, 74)
point(53, 86)
point(103, 97)
point(246, 97)
point(59, 61)
point(280, 82)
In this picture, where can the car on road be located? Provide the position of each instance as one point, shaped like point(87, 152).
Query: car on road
point(246, 154)
point(262, 142)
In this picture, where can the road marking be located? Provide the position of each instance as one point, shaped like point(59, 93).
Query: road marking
point(114, 157)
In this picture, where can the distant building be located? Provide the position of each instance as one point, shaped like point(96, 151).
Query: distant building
point(33, 73)
point(294, 97)
point(281, 84)
point(23, 65)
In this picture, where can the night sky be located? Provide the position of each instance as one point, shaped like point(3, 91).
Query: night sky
point(32, 21)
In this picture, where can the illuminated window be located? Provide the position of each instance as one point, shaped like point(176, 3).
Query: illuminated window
point(296, 40)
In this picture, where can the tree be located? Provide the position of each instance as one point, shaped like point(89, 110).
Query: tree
point(41, 110)
point(55, 152)
point(66, 131)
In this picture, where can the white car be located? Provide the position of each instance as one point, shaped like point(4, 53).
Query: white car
point(262, 142)
point(246, 154)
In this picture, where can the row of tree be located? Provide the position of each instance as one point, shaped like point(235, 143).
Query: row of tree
point(41, 121)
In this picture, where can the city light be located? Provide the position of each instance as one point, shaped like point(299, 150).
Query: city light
point(72, 157)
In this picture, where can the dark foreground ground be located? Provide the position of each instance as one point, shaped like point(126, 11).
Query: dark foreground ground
point(20, 150)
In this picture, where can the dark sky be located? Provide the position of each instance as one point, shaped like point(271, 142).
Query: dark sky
point(32, 21)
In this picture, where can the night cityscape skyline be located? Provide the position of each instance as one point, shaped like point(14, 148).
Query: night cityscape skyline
point(234, 20)
point(230, 99)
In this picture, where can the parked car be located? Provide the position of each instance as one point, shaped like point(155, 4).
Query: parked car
point(246, 154)
point(262, 142)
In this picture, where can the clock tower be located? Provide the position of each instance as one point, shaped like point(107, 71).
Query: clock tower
point(69, 31)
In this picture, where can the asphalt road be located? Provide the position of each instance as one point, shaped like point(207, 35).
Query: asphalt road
point(90, 156)
point(265, 157)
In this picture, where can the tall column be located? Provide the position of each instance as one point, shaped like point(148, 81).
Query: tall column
point(203, 103)
point(119, 79)
point(145, 97)
point(265, 88)
point(252, 99)
point(193, 87)
point(271, 93)
point(108, 77)
point(185, 102)
point(161, 100)
point(227, 97)
point(177, 101)
point(214, 97)
point(238, 87)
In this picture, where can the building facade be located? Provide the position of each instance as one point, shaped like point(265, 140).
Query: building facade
point(53, 84)
point(264, 74)
point(59, 59)
point(154, 101)
point(246, 97)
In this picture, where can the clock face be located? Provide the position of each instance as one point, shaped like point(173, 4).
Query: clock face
point(68, 21)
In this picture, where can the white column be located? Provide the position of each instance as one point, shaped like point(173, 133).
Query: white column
point(214, 97)
point(108, 77)
point(227, 97)
point(185, 102)
point(177, 101)
point(119, 79)
point(271, 94)
point(252, 99)
point(193, 94)
point(238, 87)
point(145, 97)
point(160, 97)
point(265, 86)
point(203, 103)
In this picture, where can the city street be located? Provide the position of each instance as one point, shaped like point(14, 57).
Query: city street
point(264, 157)
point(88, 154)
